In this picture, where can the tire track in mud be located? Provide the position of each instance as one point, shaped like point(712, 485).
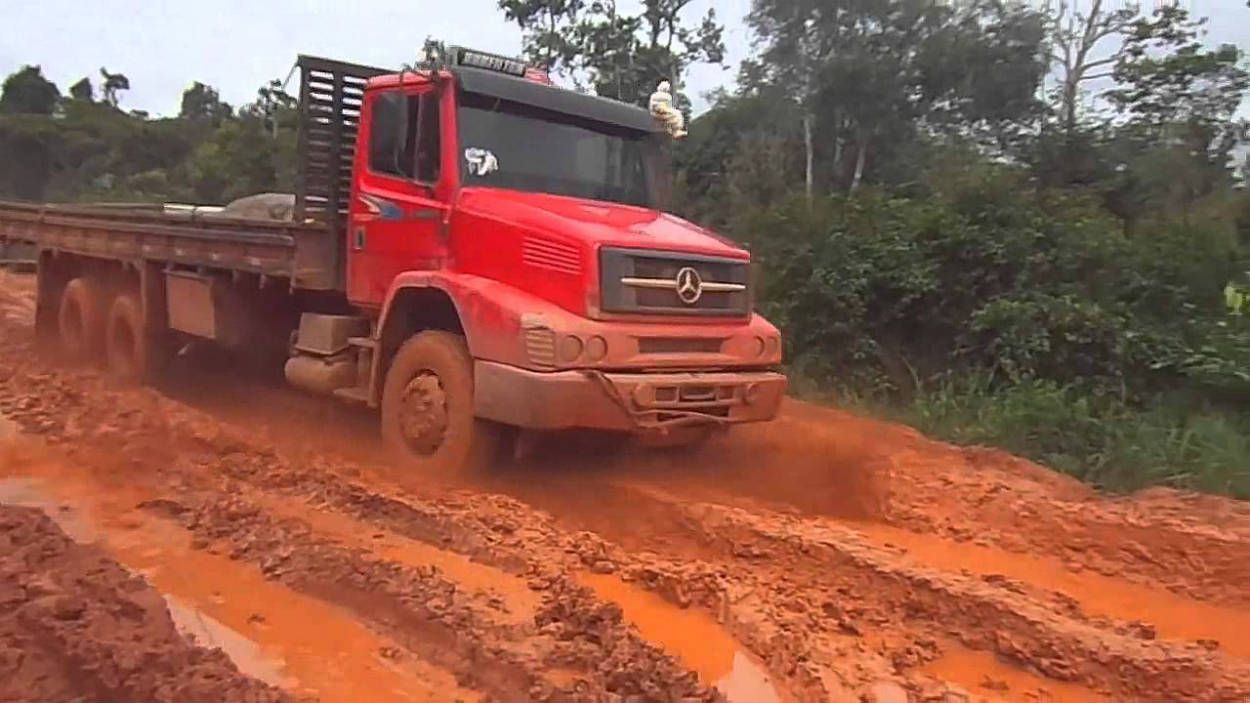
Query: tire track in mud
point(568, 586)
point(987, 613)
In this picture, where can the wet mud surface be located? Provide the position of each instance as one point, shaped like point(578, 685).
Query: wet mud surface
point(822, 557)
point(76, 625)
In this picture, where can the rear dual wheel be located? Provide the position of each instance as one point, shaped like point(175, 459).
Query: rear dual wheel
point(94, 325)
point(81, 319)
point(125, 341)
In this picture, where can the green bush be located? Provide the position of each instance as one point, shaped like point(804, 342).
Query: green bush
point(988, 312)
point(880, 292)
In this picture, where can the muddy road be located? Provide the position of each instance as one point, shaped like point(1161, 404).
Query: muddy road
point(821, 557)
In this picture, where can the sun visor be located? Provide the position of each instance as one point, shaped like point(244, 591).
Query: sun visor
point(547, 97)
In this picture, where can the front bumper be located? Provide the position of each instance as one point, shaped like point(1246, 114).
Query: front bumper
point(623, 401)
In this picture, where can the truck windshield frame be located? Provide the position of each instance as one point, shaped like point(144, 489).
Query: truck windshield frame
point(535, 149)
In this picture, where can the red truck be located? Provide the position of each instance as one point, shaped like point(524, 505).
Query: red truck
point(470, 249)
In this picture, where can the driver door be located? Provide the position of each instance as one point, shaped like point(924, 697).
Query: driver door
point(395, 221)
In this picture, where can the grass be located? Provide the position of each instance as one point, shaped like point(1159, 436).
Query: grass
point(1103, 441)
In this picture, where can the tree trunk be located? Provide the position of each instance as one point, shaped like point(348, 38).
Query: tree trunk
point(807, 146)
point(859, 162)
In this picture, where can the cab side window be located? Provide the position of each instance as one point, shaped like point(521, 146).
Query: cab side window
point(385, 148)
point(404, 136)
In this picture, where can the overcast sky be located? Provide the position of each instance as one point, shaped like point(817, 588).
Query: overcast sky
point(237, 45)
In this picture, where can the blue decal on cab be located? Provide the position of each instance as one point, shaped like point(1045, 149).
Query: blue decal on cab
point(383, 208)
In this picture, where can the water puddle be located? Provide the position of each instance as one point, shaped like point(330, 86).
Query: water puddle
point(691, 635)
point(520, 602)
point(210, 632)
point(1173, 617)
point(986, 677)
point(303, 644)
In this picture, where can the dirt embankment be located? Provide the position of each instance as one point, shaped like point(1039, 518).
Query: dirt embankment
point(822, 557)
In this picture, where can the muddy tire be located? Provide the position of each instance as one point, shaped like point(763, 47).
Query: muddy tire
point(81, 319)
point(427, 408)
point(125, 340)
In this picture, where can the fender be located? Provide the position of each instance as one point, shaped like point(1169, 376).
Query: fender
point(488, 314)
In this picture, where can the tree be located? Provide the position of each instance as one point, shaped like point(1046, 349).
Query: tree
point(742, 154)
point(870, 76)
point(620, 55)
point(201, 103)
point(1166, 77)
point(82, 90)
point(1075, 38)
point(546, 42)
point(113, 83)
point(1179, 100)
point(274, 107)
point(27, 92)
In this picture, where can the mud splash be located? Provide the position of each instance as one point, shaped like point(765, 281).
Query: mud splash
point(690, 635)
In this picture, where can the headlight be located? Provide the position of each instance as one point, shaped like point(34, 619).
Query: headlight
point(596, 348)
point(570, 347)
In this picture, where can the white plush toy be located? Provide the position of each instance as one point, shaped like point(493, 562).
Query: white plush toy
point(661, 106)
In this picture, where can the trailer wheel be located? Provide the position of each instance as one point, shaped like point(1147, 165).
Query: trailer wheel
point(80, 319)
point(427, 407)
point(124, 340)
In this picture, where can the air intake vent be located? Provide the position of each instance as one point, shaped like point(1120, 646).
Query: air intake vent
point(554, 256)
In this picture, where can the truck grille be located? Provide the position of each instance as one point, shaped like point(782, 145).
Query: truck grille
point(644, 281)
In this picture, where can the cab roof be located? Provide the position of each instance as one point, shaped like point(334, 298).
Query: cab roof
point(527, 91)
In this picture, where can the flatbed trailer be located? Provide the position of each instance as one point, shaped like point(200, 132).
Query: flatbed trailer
point(301, 253)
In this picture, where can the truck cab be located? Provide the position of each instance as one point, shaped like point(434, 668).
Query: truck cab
point(523, 224)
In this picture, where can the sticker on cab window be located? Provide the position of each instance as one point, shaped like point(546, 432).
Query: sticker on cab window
point(481, 161)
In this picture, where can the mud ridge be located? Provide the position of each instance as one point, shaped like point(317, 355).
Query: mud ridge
point(1062, 645)
point(422, 610)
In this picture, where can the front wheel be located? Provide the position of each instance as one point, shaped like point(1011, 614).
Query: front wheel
point(427, 407)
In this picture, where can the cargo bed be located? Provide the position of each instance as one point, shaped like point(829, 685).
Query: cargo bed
point(304, 253)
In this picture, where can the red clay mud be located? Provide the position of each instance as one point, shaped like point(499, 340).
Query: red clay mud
point(76, 625)
point(823, 557)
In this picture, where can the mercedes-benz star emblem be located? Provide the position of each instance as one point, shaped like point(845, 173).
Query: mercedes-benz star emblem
point(689, 285)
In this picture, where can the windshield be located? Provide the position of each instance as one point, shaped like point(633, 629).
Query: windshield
point(512, 145)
